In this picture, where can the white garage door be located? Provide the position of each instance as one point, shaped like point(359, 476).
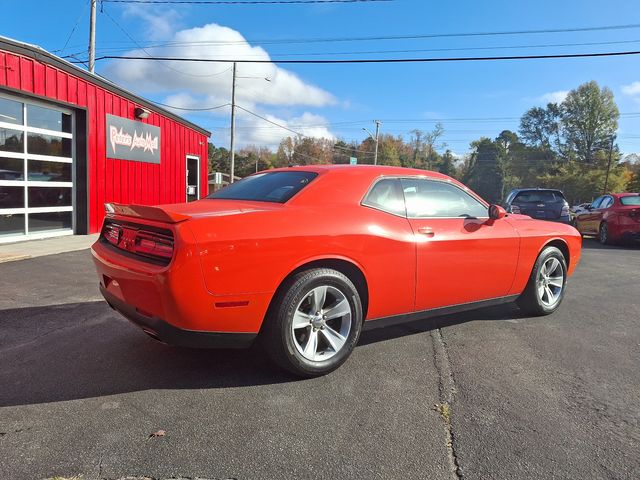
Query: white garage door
point(36, 170)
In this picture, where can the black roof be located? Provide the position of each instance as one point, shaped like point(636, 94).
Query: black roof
point(36, 53)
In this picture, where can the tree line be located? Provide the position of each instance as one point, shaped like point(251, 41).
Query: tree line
point(568, 145)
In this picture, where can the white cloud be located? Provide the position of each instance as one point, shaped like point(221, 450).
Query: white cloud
point(633, 90)
point(158, 27)
point(554, 97)
point(212, 81)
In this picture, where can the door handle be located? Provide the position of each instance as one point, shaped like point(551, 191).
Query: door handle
point(428, 231)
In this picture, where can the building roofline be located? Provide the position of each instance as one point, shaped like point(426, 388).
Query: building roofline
point(39, 54)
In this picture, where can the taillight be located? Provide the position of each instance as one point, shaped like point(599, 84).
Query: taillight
point(153, 245)
point(112, 233)
point(514, 209)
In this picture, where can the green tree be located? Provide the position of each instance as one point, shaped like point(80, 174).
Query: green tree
point(447, 164)
point(218, 159)
point(589, 120)
point(486, 175)
point(541, 128)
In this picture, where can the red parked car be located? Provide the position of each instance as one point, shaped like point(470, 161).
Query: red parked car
point(304, 258)
point(612, 218)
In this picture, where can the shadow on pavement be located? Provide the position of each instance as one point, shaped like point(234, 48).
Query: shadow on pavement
point(84, 350)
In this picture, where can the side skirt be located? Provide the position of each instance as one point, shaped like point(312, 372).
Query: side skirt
point(434, 312)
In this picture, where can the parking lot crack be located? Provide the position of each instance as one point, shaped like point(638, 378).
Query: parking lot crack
point(447, 392)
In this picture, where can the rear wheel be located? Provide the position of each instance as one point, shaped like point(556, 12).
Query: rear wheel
point(314, 322)
point(545, 290)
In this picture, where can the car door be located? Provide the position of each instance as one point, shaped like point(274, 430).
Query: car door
point(585, 221)
point(462, 256)
point(598, 213)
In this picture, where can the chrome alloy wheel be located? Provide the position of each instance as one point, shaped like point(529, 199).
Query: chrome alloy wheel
point(321, 323)
point(550, 282)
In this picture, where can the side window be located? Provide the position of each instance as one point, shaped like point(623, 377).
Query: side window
point(606, 202)
point(386, 195)
point(596, 203)
point(510, 197)
point(432, 198)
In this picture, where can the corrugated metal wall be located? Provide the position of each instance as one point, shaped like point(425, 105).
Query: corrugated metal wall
point(121, 181)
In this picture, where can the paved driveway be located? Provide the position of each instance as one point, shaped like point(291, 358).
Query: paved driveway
point(81, 391)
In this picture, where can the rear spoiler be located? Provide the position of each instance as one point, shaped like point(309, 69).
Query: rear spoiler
point(143, 211)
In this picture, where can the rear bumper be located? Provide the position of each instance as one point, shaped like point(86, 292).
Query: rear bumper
point(171, 335)
point(566, 220)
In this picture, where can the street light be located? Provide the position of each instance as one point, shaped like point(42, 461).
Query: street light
point(375, 155)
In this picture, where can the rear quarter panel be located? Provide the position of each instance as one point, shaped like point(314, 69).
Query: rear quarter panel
point(254, 253)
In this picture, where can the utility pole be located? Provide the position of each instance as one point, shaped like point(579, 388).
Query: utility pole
point(92, 37)
point(375, 156)
point(233, 123)
point(606, 178)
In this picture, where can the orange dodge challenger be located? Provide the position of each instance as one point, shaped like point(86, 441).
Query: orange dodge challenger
point(304, 258)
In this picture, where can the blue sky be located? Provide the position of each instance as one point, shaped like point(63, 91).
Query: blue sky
point(339, 100)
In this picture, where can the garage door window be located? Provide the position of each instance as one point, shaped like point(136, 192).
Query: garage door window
point(36, 170)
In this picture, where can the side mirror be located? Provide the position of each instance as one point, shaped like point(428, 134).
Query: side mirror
point(496, 212)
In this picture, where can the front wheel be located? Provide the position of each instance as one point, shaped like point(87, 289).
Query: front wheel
point(314, 322)
point(545, 290)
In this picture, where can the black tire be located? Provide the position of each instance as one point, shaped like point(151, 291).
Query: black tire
point(278, 338)
point(530, 301)
point(603, 234)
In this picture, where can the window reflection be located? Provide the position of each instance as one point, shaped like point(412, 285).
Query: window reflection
point(11, 197)
point(40, 144)
point(42, 117)
point(10, 111)
point(43, 171)
point(49, 221)
point(11, 224)
point(49, 196)
point(11, 140)
point(11, 168)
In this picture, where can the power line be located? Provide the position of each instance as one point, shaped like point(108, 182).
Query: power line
point(419, 35)
point(376, 60)
point(270, 121)
point(246, 2)
point(193, 109)
point(73, 29)
point(163, 64)
point(457, 49)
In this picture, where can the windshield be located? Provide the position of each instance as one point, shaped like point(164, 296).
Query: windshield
point(630, 200)
point(538, 196)
point(277, 187)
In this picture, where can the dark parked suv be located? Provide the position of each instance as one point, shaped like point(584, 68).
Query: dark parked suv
point(540, 203)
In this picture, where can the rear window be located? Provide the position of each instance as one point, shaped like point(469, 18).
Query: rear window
point(630, 200)
point(538, 196)
point(277, 187)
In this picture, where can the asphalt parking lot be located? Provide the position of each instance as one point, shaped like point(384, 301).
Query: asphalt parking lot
point(81, 391)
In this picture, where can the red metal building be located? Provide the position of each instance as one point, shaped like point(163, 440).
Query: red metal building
point(71, 141)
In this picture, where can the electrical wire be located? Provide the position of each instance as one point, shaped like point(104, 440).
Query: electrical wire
point(270, 121)
point(246, 2)
point(162, 63)
point(73, 29)
point(376, 60)
point(457, 49)
point(422, 35)
point(193, 109)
